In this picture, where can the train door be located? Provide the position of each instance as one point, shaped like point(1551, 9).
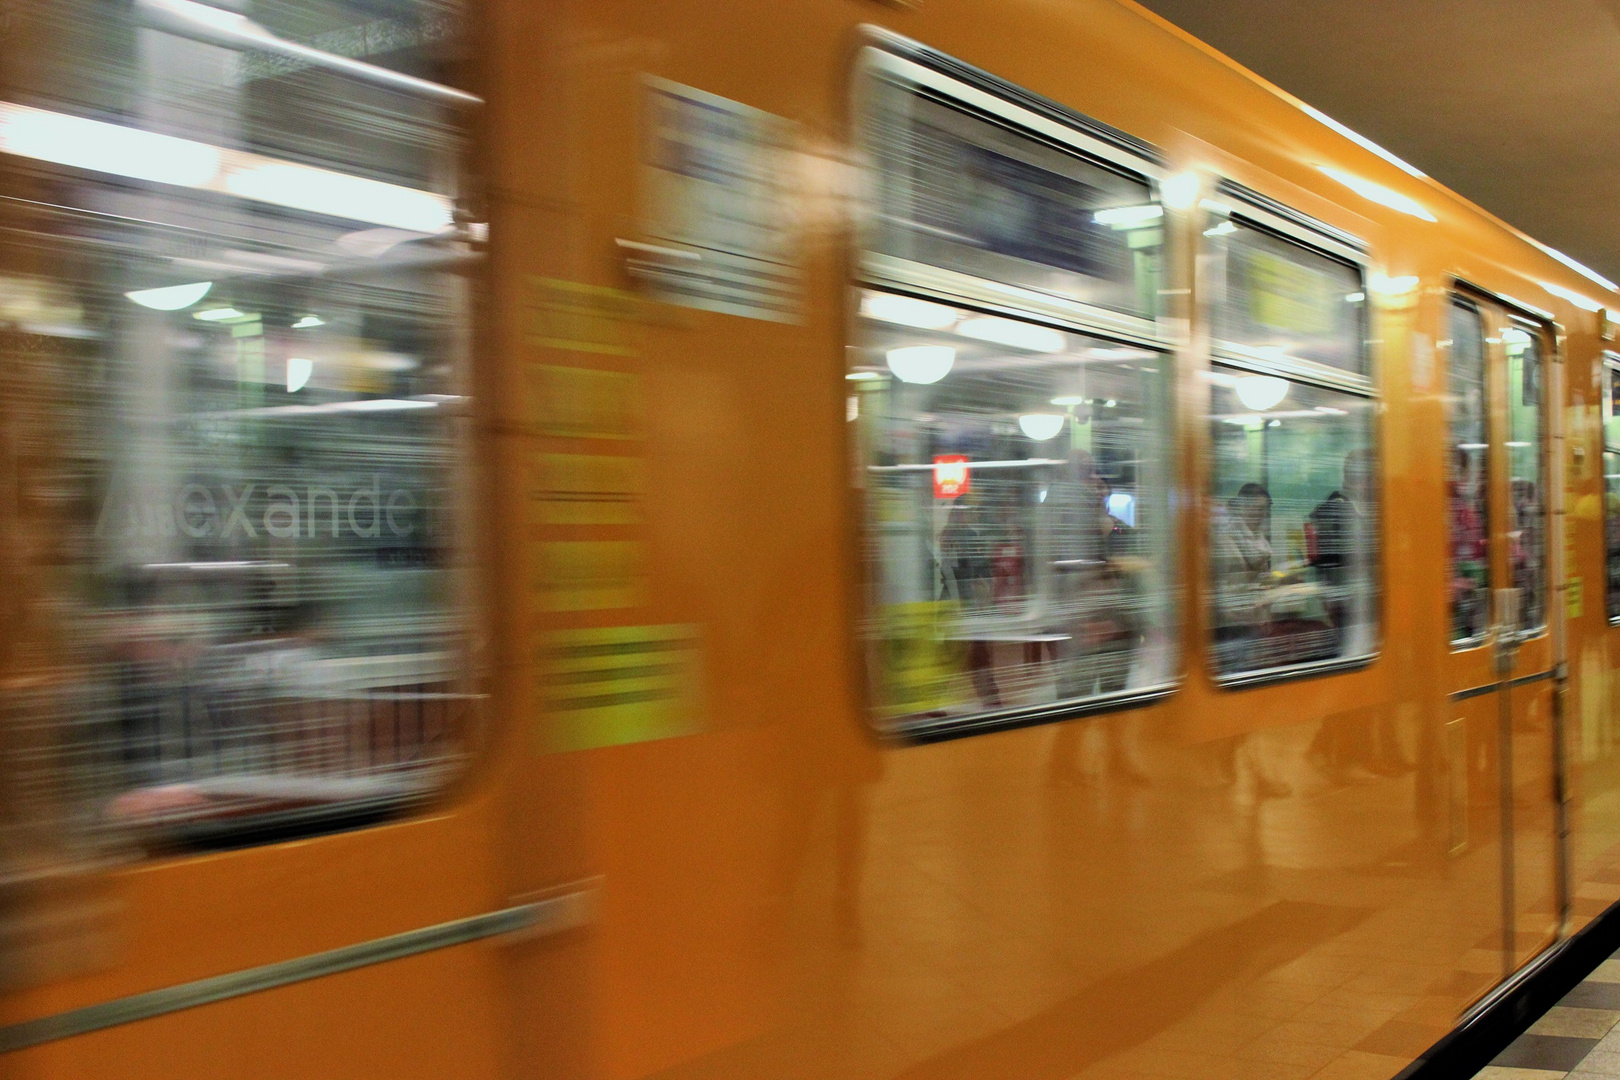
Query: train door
point(1502, 646)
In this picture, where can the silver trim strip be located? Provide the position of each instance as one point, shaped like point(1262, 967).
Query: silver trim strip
point(549, 916)
point(1264, 210)
point(954, 286)
point(1068, 131)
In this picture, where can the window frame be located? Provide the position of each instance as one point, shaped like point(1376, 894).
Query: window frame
point(1461, 299)
point(899, 61)
point(1259, 211)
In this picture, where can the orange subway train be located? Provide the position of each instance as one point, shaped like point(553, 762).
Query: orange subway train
point(710, 540)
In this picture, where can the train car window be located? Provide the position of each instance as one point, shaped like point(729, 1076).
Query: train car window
point(1282, 301)
point(1017, 491)
point(1611, 483)
point(1294, 526)
point(1467, 486)
point(1010, 393)
point(960, 190)
point(248, 375)
point(1527, 475)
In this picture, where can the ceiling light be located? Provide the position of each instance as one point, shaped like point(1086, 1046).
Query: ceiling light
point(1225, 228)
point(1069, 400)
point(1014, 335)
point(921, 364)
point(219, 314)
point(171, 297)
point(1378, 193)
point(309, 322)
point(863, 376)
point(1125, 217)
point(299, 369)
point(1261, 392)
point(1355, 297)
point(905, 311)
point(335, 194)
point(1041, 426)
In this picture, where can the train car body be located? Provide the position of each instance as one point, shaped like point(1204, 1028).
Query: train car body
point(766, 727)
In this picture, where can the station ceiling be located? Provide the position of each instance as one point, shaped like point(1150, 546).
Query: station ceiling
point(1513, 103)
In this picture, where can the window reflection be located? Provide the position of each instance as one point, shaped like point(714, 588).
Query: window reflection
point(1017, 504)
point(1527, 482)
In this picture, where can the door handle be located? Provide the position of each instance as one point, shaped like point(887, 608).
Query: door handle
point(1507, 603)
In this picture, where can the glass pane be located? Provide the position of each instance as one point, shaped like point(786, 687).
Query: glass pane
point(1281, 301)
point(1294, 529)
point(1611, 528)
point(1527, 481)
point(1611, 419)
point(1017, 508)
point(970, 195)
point(249, 377)
point(1466, 477)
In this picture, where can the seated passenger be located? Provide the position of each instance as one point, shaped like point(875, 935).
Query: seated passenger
point(1341, 526)
point(1242, 574)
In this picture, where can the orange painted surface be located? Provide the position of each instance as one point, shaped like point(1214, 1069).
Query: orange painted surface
point(783, 895)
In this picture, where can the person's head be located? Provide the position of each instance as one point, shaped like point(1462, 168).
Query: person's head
point(1358, 475)
point(1251, 505)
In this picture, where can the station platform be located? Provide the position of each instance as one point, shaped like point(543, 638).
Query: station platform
point(1577, 1037)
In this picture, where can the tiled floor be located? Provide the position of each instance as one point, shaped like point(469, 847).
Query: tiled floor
point(1577, 1038)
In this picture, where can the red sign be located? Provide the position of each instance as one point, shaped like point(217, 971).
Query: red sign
point(950, 476)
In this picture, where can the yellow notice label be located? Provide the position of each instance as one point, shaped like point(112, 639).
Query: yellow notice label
point(1574, 597)
point(621, 684)
point(583, 403)
point(590, 575)
point(918, 662)
point(583, 318)
point(587, 489)
point(1288, 296)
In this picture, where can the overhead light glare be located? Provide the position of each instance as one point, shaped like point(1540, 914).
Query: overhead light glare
point(1180, 192)
point(309, 322)
point(1069, 400)
point(1355, 297)
point(1013, 334)
point(1579, 267)
point(1225, 228)
point(171, 297)
point(1363, 142)
point(906, 311)
point(1585, 303)
point(1378, 193)
point(921, 364)
point(863, 376)
point(1392, 286)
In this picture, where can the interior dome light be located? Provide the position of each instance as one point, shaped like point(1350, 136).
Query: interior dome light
point(1261, 392)
point(905, 311)
point(1041, 426)
point(921, 364)
point(171, 297)
point(1013, 334)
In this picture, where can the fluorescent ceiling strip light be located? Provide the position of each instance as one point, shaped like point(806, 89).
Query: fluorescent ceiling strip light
point(136, 154)
point(1364, 142)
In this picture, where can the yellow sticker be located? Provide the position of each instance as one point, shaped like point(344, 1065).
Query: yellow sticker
point(1574, 597)
point(591, 575)
point(918, 661)
point(584, 403)
point(613, 685)
point(1288, 296)
point(583, 318)
point(587, 489)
